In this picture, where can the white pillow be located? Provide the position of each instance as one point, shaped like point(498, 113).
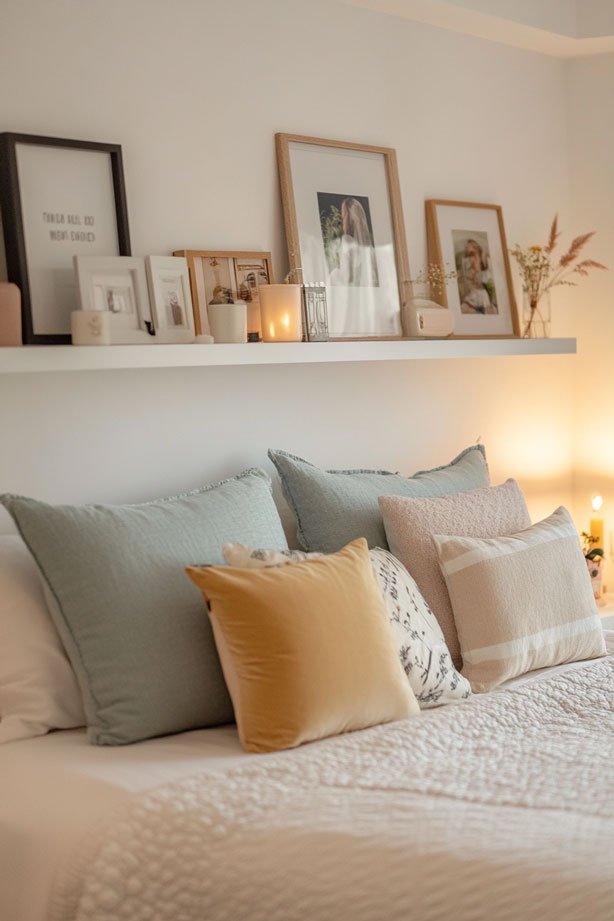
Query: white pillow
point(420, 643)
point(521, 602)
point(38, 688)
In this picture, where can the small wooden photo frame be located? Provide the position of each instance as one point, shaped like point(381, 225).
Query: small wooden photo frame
point(470, 237)
point(226, 276)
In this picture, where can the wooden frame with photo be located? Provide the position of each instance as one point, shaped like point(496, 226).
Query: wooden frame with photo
point(170, 298)
point(227, 274)
point(58, 198)
point(345, 230)
point(470, 237)
point(117, 284)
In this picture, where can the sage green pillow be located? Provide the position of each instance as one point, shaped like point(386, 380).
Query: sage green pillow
point(133, 626)
point(334, 507)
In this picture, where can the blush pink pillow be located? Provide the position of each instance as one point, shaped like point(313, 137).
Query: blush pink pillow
point(493, 511)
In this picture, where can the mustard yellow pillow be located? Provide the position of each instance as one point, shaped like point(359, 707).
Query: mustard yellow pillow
point(306, 649)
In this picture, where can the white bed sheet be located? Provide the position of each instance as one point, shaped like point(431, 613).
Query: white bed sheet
point(55, 788)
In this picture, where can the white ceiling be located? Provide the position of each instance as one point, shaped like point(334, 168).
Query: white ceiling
point(564, 28)
point(558, 16)
point(595, 18)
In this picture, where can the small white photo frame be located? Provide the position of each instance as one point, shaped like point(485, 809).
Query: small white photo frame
point(117, 284)
point(170, 297)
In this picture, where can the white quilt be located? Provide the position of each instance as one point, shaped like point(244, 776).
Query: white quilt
point(497, 809)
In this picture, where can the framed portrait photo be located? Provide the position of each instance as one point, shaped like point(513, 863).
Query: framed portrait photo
point(59, 198)
point(226, 276)
point(170, 298)
point(117, 284)
point(470, 238)
point(345, 231)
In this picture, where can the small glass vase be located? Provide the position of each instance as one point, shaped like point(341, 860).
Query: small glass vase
point(536, 316)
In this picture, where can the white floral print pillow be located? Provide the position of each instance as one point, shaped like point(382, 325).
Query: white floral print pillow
point(420, 643)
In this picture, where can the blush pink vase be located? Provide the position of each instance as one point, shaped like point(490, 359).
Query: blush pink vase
point(10, 314)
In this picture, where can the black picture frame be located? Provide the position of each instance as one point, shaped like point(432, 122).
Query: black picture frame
point(11, 210)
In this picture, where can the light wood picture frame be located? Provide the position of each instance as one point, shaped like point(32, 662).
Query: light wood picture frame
point(345, 230)
point(238, 273)
point(469, 237)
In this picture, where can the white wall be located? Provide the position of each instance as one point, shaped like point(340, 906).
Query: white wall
point(591, 86)
point(194, 92)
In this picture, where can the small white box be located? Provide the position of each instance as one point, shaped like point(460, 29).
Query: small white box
point(424, 319)
point(90, 327)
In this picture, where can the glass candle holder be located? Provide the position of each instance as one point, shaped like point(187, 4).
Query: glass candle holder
point(280, 312)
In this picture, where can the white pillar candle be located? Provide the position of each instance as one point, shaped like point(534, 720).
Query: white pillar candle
point(596, 526)
point(228, 322)
point(280, 311)
point(90, 327)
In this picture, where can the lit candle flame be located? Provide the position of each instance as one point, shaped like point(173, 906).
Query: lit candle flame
point(597, 502)
point(285, 320)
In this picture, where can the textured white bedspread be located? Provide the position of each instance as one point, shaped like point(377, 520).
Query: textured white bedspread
point(497, 809)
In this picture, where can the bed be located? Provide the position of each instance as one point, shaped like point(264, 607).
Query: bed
point(501, 807)
point(449, 800)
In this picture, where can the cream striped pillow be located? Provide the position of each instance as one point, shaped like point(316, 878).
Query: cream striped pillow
point(520, 602)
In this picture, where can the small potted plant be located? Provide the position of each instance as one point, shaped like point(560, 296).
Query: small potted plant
point(227, 316)
point(594, 557)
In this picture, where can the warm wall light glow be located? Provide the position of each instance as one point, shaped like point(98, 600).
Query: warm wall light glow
point(597, 502)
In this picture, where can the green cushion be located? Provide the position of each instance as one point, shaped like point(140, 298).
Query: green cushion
point(133, 624)
point(334, 507)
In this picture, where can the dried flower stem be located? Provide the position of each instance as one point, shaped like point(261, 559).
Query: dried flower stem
point(434, 275)
point(539, 274)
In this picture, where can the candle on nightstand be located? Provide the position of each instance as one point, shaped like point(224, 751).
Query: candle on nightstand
point(596, 528)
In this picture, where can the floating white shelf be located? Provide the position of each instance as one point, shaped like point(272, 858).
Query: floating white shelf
point(44, 358)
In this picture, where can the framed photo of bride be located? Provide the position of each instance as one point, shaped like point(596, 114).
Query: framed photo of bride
point(470, 239)
point(345, 230)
